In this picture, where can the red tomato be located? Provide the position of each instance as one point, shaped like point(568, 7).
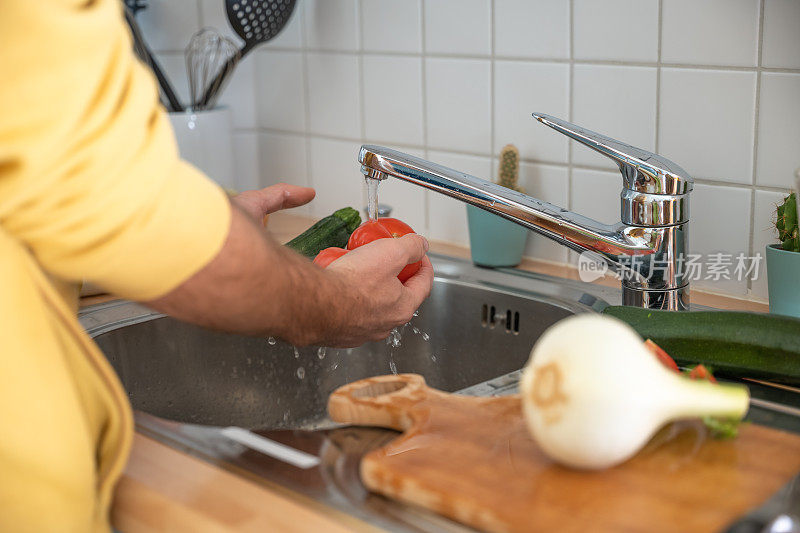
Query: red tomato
point(662, 356)
point(701, 372)
point(367, 232)
point(328, 256)
point(383, 228)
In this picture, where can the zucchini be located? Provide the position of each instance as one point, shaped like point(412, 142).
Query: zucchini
point(735, 344)
point(333, 230)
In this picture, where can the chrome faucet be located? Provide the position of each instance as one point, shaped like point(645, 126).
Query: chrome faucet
point(647, 247)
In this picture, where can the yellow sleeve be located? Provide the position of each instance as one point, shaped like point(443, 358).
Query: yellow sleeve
point(90, 178)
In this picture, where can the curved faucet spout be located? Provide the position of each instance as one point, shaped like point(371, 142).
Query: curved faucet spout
point(570, 229)
point(648, 255)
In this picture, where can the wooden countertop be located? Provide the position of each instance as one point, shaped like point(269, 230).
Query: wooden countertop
point(164, 489)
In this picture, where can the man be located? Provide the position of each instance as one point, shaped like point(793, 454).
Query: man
point(91, 187)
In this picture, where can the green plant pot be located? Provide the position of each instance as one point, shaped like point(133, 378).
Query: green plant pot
point(494, 241)
point(783, 280)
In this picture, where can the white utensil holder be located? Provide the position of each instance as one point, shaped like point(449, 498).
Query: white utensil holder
point(205, 140)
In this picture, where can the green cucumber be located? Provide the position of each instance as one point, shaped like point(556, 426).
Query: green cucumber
point(333, 230)
point(735, 344)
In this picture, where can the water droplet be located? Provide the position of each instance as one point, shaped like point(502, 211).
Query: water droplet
point(415, 330)
point(425, 336)
point(393, 366)
point(286, 416)
point(416, 313)
point(433, 357)
point(301, 372)
point(394, 338)
point(296, 353)
point(335, 366)
point(271, 341)
point(321, 352)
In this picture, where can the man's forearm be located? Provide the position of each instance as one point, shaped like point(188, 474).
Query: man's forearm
point(256, 286)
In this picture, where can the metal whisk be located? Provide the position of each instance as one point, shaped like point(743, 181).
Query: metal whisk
point(210, 58)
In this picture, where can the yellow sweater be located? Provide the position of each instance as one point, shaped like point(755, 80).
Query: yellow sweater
point(91, 187)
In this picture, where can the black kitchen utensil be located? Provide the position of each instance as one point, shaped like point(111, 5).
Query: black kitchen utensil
point(256, 22)
point(144, 53)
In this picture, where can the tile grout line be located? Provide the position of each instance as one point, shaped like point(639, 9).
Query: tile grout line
point(492, 94)
point(201, 14)
point(426, 203)
point(306, 102)
point(361, 91)
point(760, 51)
point(658, 76)
point(523, 59)
point(570, 104)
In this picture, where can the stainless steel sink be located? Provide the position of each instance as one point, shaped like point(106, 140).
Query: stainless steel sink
point(188, 385)
point(467, 332)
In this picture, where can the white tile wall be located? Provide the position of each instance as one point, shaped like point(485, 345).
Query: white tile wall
point(522, 88)
point(711, 84)
point(778, 129)
point(721, 225)
point(167, 25)
point(333, 95)
point(461, 27)
point(335, 176)
point(706, 122)
point(240, 94)
point(597, 104)
point(392, 26)
point(710, 32)
point(532, 28)
point(393, 99)
point(595, 194)
point(593, 21)
point(331, 24)
point(280, 90)
point(781, 38)
point(245, 160)
point(173, 65)
point(283, 158)
point(459, 104)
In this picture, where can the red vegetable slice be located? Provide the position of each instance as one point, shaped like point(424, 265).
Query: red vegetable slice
point(663, 356)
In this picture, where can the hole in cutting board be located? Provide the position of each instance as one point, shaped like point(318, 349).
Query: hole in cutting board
point(373, 390)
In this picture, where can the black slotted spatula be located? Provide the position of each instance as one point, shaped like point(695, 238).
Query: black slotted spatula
point(256, 22)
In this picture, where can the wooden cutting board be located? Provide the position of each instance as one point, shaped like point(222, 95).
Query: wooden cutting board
point(472, 459)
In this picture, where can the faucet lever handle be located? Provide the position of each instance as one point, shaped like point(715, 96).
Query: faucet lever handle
point(641, 170)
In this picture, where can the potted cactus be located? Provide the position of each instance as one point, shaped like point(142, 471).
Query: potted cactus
point(495, 241)
point(783, 261)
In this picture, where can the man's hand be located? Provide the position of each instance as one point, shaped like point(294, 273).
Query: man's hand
point(264, 201)
point(380, 301)
point(258, 287)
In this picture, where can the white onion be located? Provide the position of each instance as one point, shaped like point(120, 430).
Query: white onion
point(593, 395)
